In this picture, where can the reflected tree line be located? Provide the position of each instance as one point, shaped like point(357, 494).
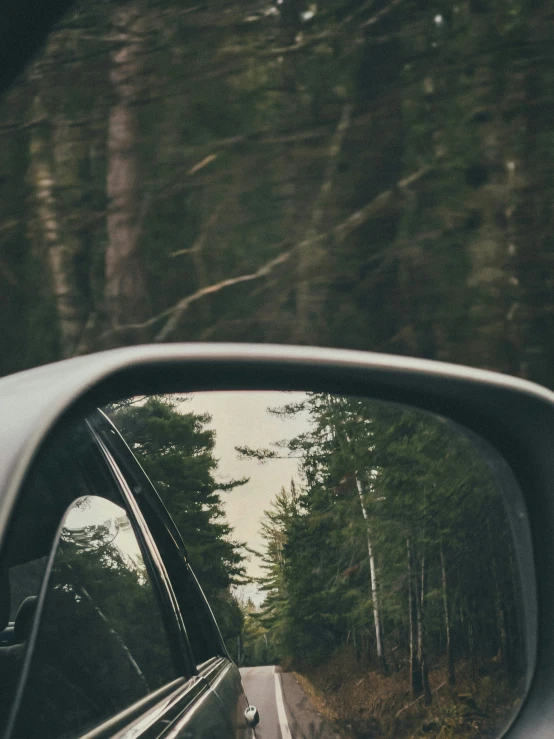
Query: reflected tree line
point(369, 174)
point(389, 561)
point(394, 553)
point(101, 644)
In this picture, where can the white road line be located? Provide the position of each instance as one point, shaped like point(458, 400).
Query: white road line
point(281, 715)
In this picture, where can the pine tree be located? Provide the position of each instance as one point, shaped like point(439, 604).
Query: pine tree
point(176, 450)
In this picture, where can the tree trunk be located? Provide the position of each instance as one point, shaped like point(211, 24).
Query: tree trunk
point(125, 287)
point(500, 606)
point(421, 652)
point(449, 649)
point(374, 589)
point(61, 254)
point(416, 685)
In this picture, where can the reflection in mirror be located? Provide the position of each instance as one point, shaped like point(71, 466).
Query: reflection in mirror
point(101, 645)
point(361, 544)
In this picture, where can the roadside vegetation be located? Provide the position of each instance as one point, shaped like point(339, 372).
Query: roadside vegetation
point(390, 588)
point(361, 702)
point(391, 584)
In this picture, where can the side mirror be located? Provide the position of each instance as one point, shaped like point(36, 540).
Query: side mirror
point(508, 420)
point(252, 716)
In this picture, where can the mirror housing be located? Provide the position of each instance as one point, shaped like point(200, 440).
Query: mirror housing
point(252, 716)
point(514, 416)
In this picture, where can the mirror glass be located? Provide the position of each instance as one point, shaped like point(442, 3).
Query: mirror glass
point(362, 547)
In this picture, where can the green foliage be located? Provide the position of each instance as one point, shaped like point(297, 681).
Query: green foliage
point(377, 476)
point(176, 451)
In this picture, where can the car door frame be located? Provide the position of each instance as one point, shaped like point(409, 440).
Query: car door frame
point(130, 467)
point(210, 673)
point(161, 709)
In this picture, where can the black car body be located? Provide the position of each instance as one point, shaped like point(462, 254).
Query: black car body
point(119, 647)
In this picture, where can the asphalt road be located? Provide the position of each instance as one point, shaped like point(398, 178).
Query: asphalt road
point(284, 708)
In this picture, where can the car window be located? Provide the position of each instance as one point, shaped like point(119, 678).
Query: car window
point(63, 473)
point(101, 642)
point(198, 620)
point(202, 632)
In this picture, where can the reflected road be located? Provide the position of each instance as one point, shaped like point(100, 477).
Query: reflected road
point(284, 708)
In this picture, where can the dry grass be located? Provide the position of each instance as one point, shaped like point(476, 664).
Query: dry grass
point(362, 703)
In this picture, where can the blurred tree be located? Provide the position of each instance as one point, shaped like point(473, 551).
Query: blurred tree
point(370, 175)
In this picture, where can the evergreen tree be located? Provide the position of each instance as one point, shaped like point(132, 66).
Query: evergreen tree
point(392, 544)
point(176, 450)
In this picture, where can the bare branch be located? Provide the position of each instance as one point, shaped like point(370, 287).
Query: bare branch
point(341, 230)
point(8, 225)
point(204, 163)
point(383, 12)
point(302, 44)
point(177, 311)
point(201, 240)
point(344, 229)
point(332, 164)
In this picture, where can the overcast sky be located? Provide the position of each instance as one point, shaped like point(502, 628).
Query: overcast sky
point(241, 419)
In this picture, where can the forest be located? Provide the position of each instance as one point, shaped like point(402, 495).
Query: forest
point(390, 587)
point(392, 561)
point(372, 174)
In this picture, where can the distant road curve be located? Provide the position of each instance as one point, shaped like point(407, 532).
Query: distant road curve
point(285, 711)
